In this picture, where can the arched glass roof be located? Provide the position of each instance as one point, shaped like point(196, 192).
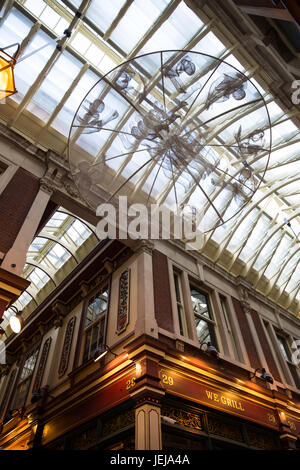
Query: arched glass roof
point(56, 246)
point(259, 244)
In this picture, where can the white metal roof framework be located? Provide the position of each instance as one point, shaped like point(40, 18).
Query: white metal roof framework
point(257, 244)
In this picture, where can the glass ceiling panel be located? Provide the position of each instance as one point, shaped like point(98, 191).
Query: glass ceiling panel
point(176, 32)
point(14, 28)
point(289, 268)
point(138, 19)
point(210, 45)
point(103, 12)
point(65, 117)
point(268, 250)
point(281, 254)
point(256, 237)
point(27, 71)
point(36, 6)
point(294, 281)
point(241, 233)
point(54, 87)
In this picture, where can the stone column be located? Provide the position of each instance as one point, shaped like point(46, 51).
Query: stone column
point(147, 392)
point(148, 424)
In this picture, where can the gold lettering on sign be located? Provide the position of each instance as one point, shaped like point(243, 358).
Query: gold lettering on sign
point(224, 400)
point(167, 379)
point(130, 383)
point(271, 418)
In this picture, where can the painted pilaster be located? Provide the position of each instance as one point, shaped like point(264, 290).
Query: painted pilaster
point(146, 322)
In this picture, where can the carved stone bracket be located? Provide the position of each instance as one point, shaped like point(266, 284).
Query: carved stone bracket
point(84, 287)
point(58, 321)
point(44, 186)
point(143, 246)
point(109, 266)
point(59, 308)
point(57, 178)
point(4, 369)
point(243, 291)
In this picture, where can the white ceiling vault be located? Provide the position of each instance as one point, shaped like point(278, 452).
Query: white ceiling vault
point(257, 244)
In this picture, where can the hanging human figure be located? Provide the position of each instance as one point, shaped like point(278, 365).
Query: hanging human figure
point(225, 87)
point(92, 121)
point(185, 65)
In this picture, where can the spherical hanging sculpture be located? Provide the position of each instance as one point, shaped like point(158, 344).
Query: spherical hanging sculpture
point(175, 128)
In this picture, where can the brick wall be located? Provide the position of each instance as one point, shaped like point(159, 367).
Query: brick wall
point(15, 202)
point(247, 335)
point(162, 293)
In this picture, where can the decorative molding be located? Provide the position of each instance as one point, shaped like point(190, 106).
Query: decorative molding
point(58, 321)
point(124, 301)
point(41, 328)
point(143, 246)
point(66, 347)
point(4, 369)
point(70, 188)
point(60, 308)
point(46, 187)
point(244, 298)
point(108, 265)
point(184, 418)
point(84, 288)
point(116, 423)
point(42, 364)
point(224, 428)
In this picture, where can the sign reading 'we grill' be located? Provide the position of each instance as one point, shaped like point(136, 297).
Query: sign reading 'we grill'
point(193, 389)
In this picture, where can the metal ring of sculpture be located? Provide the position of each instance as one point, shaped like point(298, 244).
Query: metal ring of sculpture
point(172, 127)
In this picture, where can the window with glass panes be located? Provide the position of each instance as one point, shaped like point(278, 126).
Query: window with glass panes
point(286, 353)
point(95, 321)
point(25, 380)
point(205, 324)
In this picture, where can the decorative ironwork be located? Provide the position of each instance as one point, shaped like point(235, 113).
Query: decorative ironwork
point(184, 418)
point(42, 364)
point(123, 306)
point(182, 126)
point(84, 440)
point(221, 427)
point(261, 440)
point(66, 347)
point(118, 422)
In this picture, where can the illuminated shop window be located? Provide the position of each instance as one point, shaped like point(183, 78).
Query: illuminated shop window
point(205, 323)
point(95, 322)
